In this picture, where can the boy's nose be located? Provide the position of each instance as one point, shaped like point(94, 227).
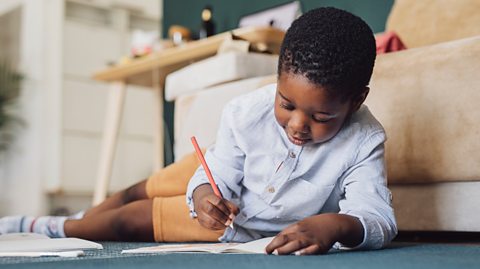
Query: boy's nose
point(299, 123)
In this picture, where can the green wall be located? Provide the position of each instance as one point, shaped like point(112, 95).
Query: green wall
point(226, 14)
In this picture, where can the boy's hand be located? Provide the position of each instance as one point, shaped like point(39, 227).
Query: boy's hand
point(213, 212)
point(316, 235)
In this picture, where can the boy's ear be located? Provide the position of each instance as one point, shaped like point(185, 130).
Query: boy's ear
point(358, 101)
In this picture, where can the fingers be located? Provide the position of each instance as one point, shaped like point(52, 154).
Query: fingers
point(210, 222)
point(220, 205)
point(215, 213)
point(282, 238)
point(278, 241)
point(292, 243)
point(310, 250)
point(285, 243)
point(232, 208)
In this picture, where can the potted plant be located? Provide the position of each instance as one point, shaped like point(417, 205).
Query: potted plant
point(10, 86)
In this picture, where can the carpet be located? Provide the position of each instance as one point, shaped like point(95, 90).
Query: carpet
point(396, 255)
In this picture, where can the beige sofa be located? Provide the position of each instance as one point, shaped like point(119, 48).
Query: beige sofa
point(428, 22)
point(428, 100)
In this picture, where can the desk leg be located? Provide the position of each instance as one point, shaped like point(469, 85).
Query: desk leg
point(158, 148)
point(113, 119)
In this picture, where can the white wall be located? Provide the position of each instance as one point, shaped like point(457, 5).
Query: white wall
point(23, 170)
point(56, 153)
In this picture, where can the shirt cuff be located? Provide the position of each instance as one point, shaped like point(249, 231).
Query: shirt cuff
point(200, 178)
point(191, 208)
point(195, 181)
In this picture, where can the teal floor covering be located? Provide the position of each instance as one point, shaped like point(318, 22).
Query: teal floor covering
point(397, 255)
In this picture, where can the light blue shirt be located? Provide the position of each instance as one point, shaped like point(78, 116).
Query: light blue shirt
point(276, 183)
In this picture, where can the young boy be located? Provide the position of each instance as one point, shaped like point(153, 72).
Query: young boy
point(302, 160)
point(303, 157)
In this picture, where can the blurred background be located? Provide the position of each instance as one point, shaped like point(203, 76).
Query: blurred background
point(55, 122)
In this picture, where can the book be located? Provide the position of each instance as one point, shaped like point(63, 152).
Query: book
point(68, 254)
point(38, 245)
point(252, 247)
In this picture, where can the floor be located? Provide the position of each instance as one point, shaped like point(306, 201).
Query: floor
point(409, 255)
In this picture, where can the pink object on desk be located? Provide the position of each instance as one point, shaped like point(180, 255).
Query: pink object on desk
point(389, 42)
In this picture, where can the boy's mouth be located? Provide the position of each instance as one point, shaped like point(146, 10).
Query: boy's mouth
point(299, 141)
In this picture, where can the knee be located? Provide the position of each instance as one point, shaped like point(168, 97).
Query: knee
point(135, 192)
point(133, 222)
point(126, 228)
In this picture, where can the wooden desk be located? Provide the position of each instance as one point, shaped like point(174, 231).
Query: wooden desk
point(151, 71)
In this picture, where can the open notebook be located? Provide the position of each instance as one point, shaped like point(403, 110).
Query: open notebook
point(252, 247)
point(37, 245)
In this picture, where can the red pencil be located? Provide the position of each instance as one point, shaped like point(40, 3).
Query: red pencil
point(205, 167)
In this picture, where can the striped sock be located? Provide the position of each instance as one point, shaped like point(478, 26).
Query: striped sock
point(11, 224)
point(78, 215)
point(47, 225)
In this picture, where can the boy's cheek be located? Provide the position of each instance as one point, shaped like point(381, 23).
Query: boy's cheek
point(281, 119)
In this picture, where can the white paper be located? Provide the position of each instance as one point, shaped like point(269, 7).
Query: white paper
point(27, 242)
point(67, 254)
point(253, 247)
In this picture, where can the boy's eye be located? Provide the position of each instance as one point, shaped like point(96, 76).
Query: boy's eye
point(321, 120)
point(286, 106)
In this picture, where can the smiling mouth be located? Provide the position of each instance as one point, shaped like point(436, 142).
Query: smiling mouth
point(298, 141)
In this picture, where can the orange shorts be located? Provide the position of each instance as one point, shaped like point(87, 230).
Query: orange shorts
point(171, 217)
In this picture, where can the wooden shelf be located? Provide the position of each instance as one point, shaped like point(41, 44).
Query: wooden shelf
point(150, 71)
point(139, 71)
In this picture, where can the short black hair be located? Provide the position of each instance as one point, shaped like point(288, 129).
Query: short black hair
point(332, 48)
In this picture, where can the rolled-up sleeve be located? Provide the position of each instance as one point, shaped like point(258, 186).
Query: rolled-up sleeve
point(366, 195)
point(225, 160)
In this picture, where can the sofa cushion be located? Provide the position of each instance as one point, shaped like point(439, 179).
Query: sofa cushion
point(221, 68)
point(426, 22)
point(428, 100)
point(199, 113)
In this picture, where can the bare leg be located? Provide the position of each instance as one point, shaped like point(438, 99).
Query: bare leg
point(130, 222)
point(127, 215)
point(121, 198)
point(172, 181)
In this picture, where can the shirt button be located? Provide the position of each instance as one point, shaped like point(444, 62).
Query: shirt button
point(271, 190)
point(292, 155)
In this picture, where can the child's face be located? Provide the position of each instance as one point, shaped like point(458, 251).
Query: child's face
point(306, 111)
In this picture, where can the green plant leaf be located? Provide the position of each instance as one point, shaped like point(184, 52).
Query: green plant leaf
point(10, 87)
